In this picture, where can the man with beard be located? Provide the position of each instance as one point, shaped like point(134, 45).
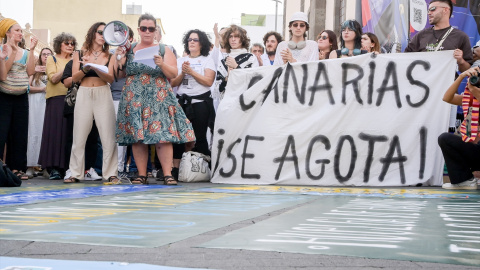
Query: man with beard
point(270, 40)
point(441, 36)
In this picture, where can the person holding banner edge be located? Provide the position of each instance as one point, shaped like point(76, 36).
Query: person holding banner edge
point(441, 36)
point(462, 153)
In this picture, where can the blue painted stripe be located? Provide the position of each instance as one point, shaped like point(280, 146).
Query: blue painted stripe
point(25, 197)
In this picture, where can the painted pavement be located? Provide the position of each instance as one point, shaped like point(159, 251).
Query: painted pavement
point(24, 195)
point(346, 191)
point(431, 230)
point(431, 225)
point(10, 263)
point(147, 219)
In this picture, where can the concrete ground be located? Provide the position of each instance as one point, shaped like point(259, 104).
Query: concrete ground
point(185, 253)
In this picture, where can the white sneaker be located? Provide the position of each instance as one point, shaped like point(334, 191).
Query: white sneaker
point(92, 175)
point(68, 174)
point(468, 184)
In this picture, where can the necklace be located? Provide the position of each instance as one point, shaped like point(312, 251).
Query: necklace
point(435, 36)
point(96, 53)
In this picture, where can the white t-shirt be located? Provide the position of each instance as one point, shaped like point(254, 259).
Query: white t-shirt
point(307, 54)
point(266, 60)
point(189, 85)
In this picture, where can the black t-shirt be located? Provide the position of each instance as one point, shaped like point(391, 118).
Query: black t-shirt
point(67, 72)
point(428, 39)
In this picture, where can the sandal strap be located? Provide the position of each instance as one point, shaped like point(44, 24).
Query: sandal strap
point(169, 180)
point(71, 180)
point(113, 179)
point(142, 179)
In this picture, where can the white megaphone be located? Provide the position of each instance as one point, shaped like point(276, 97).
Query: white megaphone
point(116, 34)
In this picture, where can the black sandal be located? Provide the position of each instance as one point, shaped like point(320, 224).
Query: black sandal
point(71, 180)
point(140, 180)
point(169, 181)
point(22, 176)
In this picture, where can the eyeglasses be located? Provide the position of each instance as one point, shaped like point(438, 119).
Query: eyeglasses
point(432, 9)
point(193, 39)
point(46, 54)
point(150, 29)
point(69, 43)
point(100, 32)
point(299, 24)
point(323, 37)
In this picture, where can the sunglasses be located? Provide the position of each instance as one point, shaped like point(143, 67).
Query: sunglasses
point(323, 37)
point(193, 39)
point(100, 32)
point(299, 24)
point(69, 43)
point(150, 29)
point(432, 9)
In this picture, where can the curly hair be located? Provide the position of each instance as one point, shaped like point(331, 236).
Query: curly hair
point(355, 27)
point(235, 29)
point(37, 75)
point(332, 38)
point(204, 42)
point(277, 36)
point(90, 38)
point(63, 37)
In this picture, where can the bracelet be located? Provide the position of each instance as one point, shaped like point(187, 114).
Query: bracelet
point(83, 70)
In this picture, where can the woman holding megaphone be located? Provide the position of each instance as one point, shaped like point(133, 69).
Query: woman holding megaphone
point(94, 101)
point(148, 112)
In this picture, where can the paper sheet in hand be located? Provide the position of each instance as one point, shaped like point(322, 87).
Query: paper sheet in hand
point(145, 56)
point(102, 68)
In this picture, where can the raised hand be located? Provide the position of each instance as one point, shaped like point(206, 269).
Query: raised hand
point(33, 43)
point(5, 51)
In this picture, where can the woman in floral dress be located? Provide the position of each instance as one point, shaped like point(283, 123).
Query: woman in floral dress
point(148, 112)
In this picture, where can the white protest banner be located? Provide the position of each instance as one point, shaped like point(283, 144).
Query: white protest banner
point(361, 121)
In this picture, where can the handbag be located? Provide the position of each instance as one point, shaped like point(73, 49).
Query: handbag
point(194, 167)
point(7, 177)
point(71, 95)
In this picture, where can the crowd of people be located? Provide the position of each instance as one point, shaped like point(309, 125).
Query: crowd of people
point(55, 109)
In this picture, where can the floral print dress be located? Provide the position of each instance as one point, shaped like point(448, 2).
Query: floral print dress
point(148, 111)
